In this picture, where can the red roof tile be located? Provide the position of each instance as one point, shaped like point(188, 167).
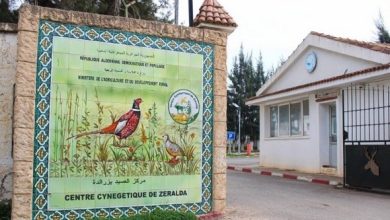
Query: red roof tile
point(384, 48)
point(331, 79)
point(212, 12)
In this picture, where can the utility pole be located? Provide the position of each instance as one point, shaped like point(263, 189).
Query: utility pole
point(239, 127)
point(239, 130)
point(190, 13)
point(176, 12)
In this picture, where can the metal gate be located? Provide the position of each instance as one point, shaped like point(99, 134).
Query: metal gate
point(366, 122)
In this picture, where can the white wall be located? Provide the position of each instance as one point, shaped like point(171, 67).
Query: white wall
point(298, 153)
point(7, 80)
point(309, 153)
point(296, 74)
point(302, 153)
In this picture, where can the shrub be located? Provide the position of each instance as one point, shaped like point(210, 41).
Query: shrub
point(5, 209)
point(159, 214)
point(168, 215)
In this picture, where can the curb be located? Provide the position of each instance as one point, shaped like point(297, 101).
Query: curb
point(286, 176)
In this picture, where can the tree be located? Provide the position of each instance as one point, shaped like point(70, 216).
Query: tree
point(6, 14)
point(93, 6)
point(140, 9)
point(274, 69)
point(382, 32)
point(165, 11)
point(145, 9)
point(245, 81)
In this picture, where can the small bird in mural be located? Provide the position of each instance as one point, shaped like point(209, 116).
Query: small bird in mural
point(173, 150)
point(123, 127)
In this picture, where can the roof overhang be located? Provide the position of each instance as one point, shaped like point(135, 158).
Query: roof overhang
point(327, 43)
point(227, 29)
point(363, 76)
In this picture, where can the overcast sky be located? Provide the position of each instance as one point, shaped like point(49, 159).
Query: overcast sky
point(276, 27)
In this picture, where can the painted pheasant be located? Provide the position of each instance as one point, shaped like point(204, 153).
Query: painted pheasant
point(173, 150)
point(123, 127)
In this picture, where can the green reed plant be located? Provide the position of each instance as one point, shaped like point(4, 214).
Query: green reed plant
point(118, 157)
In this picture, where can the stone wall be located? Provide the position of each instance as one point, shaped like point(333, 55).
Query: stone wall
point(25, 87)
point(8, 41)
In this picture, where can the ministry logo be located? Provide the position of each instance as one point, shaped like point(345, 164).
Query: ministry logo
point(183, 106)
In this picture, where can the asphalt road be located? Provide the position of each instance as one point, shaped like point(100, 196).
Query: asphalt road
point(251, 196)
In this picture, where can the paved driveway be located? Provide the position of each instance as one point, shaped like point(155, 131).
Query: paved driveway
point(253, 161)
point(251, 196)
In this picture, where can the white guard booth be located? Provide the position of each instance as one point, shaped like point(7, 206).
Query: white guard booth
point(301, 105)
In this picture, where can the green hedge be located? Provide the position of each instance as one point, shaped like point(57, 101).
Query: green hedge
point(158, 214)
point(5, 209)
point(169, 215)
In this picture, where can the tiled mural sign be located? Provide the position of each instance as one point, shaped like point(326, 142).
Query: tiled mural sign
point(123, 123)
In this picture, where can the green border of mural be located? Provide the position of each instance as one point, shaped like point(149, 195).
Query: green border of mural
point(48, 30)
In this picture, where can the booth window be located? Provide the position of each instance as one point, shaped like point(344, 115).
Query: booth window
point(306, 122)
point(274, 121)
point(284, 120)
point(290, 119)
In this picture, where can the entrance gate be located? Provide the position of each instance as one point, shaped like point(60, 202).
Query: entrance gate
point(366, 122)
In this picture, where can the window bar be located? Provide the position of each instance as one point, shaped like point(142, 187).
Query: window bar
point(352, 116)
point(364, 115)
point(348, 114)
point(352, 107)
point(346, 103)
point(344, 146)
point(355, 108)
point(361, 107)
point(346, 122)
point(383, 112)
point(374, 105)
point(380, 122)
point(345, 109)
point(373, 111)
point(369, 114)
point(360, 113)
point(351, 113)
point(378, 109)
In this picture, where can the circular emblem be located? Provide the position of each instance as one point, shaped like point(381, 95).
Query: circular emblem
point(183, 106)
